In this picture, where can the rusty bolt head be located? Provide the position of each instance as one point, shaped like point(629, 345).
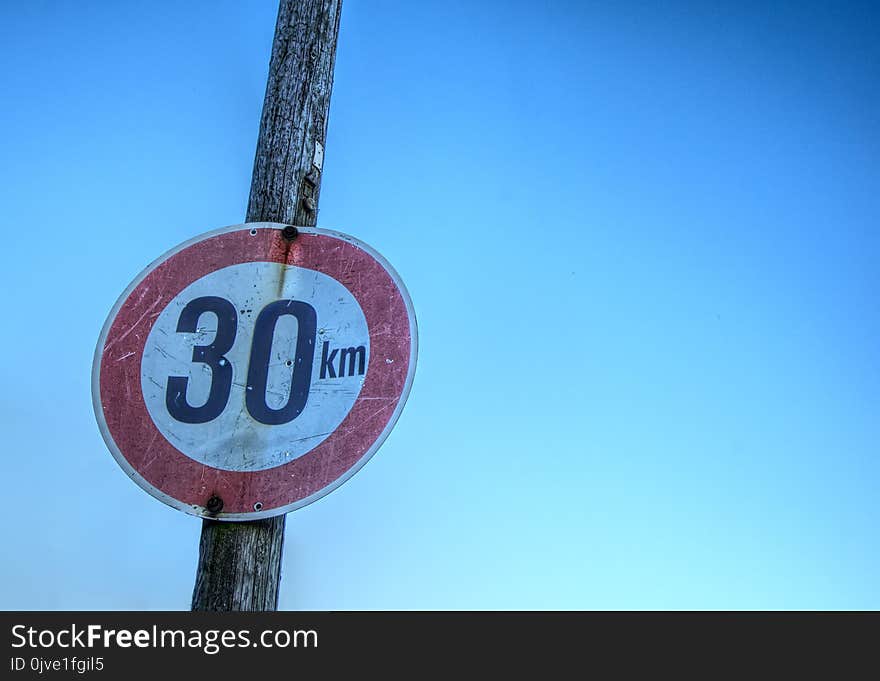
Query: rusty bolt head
point(289, 232)
point(214, 505)
point(309, 204)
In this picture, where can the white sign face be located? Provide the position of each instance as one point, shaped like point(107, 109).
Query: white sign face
point(337, 351)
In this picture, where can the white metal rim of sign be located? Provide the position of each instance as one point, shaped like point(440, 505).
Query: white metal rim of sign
point(261, 513)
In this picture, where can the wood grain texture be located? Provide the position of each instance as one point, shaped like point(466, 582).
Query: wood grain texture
point(286, 185)
point(239, 565)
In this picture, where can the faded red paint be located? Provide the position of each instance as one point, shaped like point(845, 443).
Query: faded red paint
point(192, 482)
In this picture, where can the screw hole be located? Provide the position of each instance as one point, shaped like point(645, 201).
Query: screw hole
point(254, 231)
point(288, 362)
point(258, 506)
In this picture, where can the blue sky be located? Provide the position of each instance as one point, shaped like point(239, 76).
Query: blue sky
point(641, 240)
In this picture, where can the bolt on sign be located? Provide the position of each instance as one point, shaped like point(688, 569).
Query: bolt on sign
point(252, 370)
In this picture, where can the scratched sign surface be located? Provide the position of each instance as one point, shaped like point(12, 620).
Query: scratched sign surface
point(243, 375)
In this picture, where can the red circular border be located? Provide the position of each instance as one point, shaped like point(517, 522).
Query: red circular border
point(162, 465)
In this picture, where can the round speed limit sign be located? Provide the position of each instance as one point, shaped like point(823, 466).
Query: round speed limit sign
point(252, 370)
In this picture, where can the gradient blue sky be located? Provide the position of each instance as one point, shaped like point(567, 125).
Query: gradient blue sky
point(642, 242)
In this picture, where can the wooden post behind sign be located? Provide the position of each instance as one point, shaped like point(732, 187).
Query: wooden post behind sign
point(240, 563)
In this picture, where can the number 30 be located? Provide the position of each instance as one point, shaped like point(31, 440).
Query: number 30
point(213, 355)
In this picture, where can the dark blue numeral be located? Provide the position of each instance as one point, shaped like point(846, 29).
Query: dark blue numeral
point(261, 349)
point(212, 355)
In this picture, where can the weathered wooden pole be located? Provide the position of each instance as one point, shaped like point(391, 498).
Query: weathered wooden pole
point(240, 563)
